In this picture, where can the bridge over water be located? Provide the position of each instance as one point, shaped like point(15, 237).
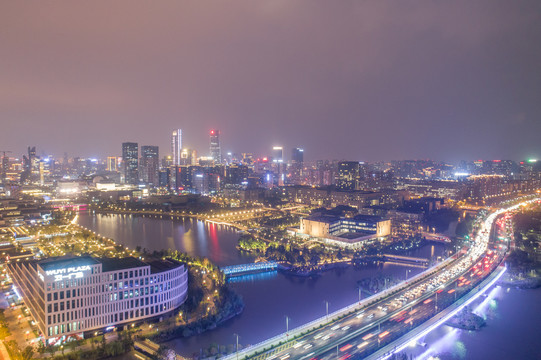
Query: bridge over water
point(242, 269)
point(406, 259)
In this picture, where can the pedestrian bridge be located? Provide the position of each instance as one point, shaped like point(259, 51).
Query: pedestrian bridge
point(237, 270)
point(406, 258)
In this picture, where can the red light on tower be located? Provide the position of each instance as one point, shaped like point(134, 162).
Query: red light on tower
point(211, 132)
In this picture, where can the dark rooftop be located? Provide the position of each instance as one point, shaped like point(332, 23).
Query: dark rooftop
point(157, 266)
point(113, 264)
point(324, 218)
point(367, 218)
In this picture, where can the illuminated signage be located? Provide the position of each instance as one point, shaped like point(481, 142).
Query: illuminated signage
point(68, 273)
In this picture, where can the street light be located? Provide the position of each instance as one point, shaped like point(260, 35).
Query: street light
point(287, 328)
point(237, 348)
point(327, 308)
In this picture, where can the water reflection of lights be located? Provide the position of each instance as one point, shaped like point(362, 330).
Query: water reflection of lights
point(481, 309)
point(188, 240)
point(201, 236)
point(253, 277)
point(441, 345)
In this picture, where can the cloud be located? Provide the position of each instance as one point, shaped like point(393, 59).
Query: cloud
point(370, 79)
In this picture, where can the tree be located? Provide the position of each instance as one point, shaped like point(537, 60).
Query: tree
point(103, 342)
point(27, 353)
point(50, 349)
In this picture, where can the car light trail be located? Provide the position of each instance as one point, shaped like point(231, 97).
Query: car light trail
point(446, 317)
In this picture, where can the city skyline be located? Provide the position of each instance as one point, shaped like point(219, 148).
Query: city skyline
point(446, 81)
point(270, 179)
point(263, 156)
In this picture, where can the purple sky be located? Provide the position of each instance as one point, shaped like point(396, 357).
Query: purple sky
point(366, 80)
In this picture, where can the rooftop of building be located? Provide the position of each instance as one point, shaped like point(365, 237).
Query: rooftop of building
point(108, 264)
point(157, 266)
point(114, 264)
point(323, 218)
point(334, 218)
point(367, 218)
point(340, 210)
point(60, 262)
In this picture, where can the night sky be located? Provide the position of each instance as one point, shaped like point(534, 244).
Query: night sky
point(363, 80)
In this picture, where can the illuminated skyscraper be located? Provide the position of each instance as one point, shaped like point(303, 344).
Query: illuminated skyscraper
point(277, 154)
point(295, 170)
point(130, 162)
point(111, 163)
point(297, 156)
point(188, 157)
point(150, 164)
point(215, 151)
point(176, 146)
point(348, 175)
point(5, 166)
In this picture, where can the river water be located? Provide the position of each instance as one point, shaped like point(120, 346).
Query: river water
point(511, 332)
point(270, 297)
point(216, 242)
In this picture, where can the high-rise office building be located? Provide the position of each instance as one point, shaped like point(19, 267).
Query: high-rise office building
point(347, 177)
point(297, 156)
point(215, 151)
point(236, 174)
point(150, 164)
point(164, 177)
point(176, 146)
point(167, 161)
point(30, 168)
point(5, 166)
point(112, 163)
point(277, 154)
point(188, 157)
point(130, 162)
point(32, 153)
point(296, 166)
